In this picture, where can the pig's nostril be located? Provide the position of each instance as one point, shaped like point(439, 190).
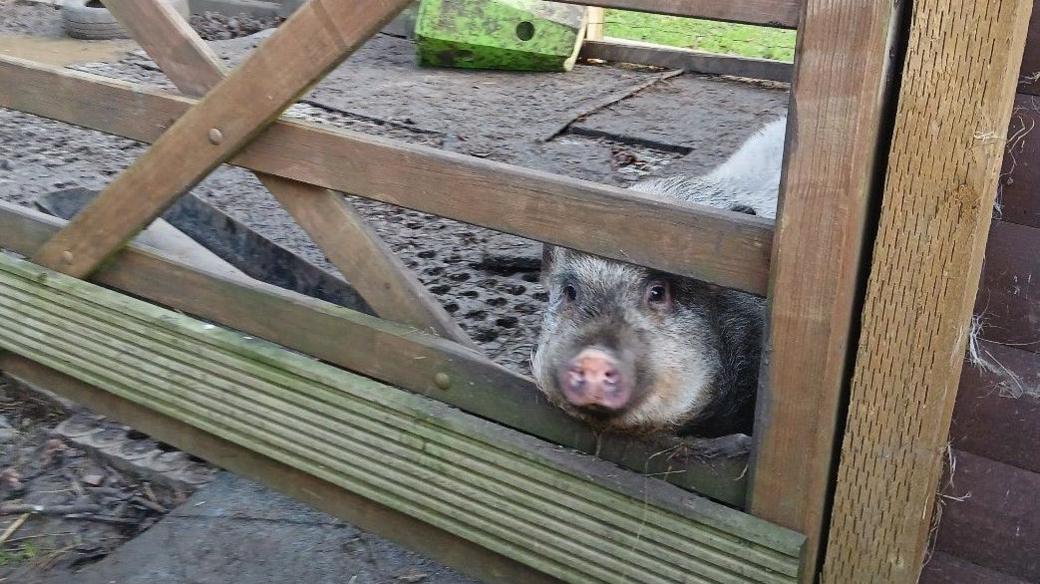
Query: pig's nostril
point(575, 378)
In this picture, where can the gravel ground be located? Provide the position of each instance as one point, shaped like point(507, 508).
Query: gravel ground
point(82, 507)
point(214, 26)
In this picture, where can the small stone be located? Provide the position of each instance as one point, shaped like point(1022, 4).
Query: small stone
point(93, 479)
point(8, 435)
point(5, 164)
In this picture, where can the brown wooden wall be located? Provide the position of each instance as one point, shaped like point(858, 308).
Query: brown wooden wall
point(989, 528)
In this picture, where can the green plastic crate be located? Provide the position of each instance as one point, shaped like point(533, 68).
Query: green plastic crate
point(519, 35)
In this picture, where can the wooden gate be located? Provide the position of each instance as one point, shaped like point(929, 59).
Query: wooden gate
point(368, 433)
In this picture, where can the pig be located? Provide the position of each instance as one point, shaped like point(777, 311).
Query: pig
point(631, 349)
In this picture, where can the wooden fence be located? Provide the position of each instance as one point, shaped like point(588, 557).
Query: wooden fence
point(367, 434)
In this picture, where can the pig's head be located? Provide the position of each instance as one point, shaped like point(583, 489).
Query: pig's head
point(624, 347)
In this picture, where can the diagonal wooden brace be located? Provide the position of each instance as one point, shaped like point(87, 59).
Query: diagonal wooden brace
point(337, 228)
point(312, 42)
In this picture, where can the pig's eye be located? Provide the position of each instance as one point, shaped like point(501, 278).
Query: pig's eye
point(658, 295)
point(570, 292)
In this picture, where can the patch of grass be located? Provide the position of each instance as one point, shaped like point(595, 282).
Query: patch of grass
point(19, 554)
point(702, 35)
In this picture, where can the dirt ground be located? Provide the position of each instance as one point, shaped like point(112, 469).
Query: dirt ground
point(613, 125)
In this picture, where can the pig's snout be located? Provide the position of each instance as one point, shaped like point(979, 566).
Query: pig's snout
point(593, 381)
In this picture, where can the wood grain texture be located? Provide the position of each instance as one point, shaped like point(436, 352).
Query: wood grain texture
point(395, 354)
point(318, 36)
point(941, 181)
point(433, 543)
point(620, 51)
point(386, 284)
point(517, 496)
point(778, 13)
point(840, 94)
point(730, 249)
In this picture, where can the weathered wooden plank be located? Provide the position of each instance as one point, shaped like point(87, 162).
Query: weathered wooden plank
point(998, 407)
point(1018, 199)
point(935, 215)
point(1008, 302)
point(730, 249)
point(839, 98)
point(594, 17)
point(568, 515)
point(942, 568)
point(1029, 76)
point(434, 543)
point(387, 285)
point(382, 350)
point(991, 516)
point(777, 13)
point(622, 51)
point(314, 40)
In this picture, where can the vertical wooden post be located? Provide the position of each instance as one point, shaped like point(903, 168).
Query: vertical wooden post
point(594, 29)
point(955, 101)
point(840, 102)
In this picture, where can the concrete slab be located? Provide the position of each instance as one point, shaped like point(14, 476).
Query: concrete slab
point(237, 531)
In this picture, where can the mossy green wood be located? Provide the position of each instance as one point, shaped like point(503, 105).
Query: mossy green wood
point(568, 515)
point(523, 35)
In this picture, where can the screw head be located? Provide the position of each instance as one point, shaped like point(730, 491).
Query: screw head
point(215, 136)
point(442, 380)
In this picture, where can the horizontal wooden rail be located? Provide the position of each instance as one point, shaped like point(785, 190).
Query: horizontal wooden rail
point(433, 543)
point(568, 515)
point(624, 51)
point(379, 349)
point(776, 13)
point(371, 267)
point(714, 245)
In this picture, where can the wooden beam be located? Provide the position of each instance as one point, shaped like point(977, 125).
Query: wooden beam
point(318, 36)
point(595, 19)
point(382, 350)
point(624, 51)
point(568, 515)
point(776, 13)
point(434, 543)
point(730, 249)
point(946, 154)
point(841, 94)
point(372, 268)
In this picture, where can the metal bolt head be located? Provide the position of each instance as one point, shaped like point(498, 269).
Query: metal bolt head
point(215, 136)
point(67, 257)
point(442, 380)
